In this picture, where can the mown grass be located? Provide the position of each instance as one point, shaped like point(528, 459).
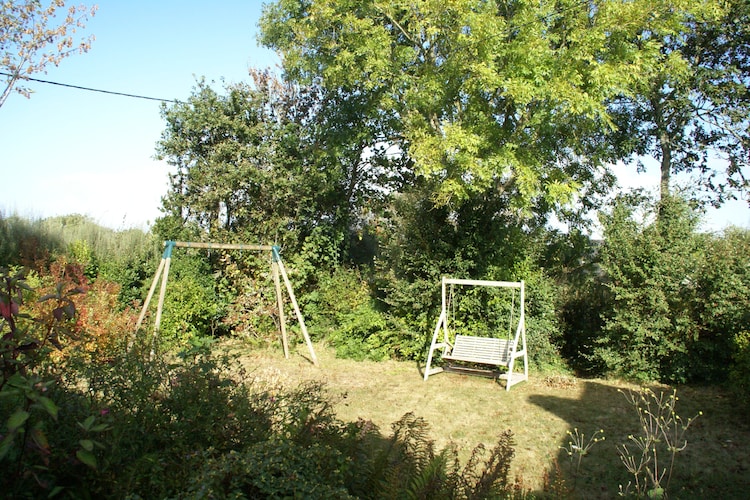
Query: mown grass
point(467, 410)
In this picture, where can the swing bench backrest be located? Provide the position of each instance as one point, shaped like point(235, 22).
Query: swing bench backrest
point(489, 351)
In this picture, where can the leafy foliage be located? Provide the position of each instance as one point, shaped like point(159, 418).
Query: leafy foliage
point(485, 95)
point(33, 37)
point(127, 257)
point(675, 299)
point(266, 163)
point(690, 111)
point(482, 238)
point(649, 329)
point(27, 339)
point(352, 322)
point(192, 307)
point(723, 305)
point(411, 467)
point(739, 375)
point(28, 404)
point(574, 261)
point(198, 426)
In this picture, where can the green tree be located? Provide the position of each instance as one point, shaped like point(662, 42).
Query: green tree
point(723, 308)
point(33, 37)
point(482, 94)
point(223, 148)
point(274, 162)
point(270, 161)
point(690, 111)
point(653, 267)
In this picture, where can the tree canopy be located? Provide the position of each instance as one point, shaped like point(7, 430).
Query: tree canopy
point(271, 161)
point(691, 112)
point(506, 95)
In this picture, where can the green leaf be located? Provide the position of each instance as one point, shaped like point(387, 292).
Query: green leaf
point(5, 445)
point(55, 491)
point(87, 444)
point(18, 381)
point(17, 419)
point(656, 493)
point(49, 406)
point(40, 439)
point(86, 457)
point(86, 424)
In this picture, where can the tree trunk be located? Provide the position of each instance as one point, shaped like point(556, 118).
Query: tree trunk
point(664, 142)
point(666, 164)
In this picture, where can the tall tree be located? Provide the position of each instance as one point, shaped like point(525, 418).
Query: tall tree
point(33, 37)
point(271, 161)
point(691, 112)
point(235, 160)
point(482, 94)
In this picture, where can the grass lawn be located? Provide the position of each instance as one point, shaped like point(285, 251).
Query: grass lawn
point(468, 410)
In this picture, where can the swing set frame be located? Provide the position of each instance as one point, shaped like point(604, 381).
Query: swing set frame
point(493, 351)
point(277, 268)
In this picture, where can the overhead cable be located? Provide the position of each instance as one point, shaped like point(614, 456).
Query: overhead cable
point(89, 89)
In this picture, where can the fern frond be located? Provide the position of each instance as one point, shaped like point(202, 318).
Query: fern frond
point(492, 481)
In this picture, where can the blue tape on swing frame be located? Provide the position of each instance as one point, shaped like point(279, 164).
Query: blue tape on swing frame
point(275, 253)
point(168, 247)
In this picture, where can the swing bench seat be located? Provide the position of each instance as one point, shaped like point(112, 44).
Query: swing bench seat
point(488, 351)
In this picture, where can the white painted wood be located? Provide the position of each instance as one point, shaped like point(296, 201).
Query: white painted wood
point(145, 304)
point(435, 345)
point(481, 350)
point(489, 351)
point(505, 284)
point(280, 305)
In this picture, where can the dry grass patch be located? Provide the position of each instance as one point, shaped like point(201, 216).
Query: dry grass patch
point(468, 410)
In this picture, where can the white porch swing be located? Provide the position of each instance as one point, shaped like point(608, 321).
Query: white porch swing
point(493, 351)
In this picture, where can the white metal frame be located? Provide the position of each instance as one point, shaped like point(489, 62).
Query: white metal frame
point(481, 350)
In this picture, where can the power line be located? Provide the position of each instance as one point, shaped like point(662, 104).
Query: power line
point(89, 89)
point(135, 96)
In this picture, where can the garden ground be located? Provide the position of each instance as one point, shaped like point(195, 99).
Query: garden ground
point(468, 410)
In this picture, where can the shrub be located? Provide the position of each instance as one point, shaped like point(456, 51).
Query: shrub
point(276, 468)
point(245, 283)
point(194, 426)
point(652, 268)
point(739, 374)
point(39, 446)
point(348, 316)
point(675, 299)
point(722, 306)
point(192, 308)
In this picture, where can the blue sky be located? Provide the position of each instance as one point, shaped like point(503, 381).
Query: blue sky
point(68, 151)
point(71, 151)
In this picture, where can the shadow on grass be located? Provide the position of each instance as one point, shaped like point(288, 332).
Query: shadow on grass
point(713, 465)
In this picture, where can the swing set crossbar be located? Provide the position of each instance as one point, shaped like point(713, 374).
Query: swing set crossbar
point(221, 246)
point(491, 283)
